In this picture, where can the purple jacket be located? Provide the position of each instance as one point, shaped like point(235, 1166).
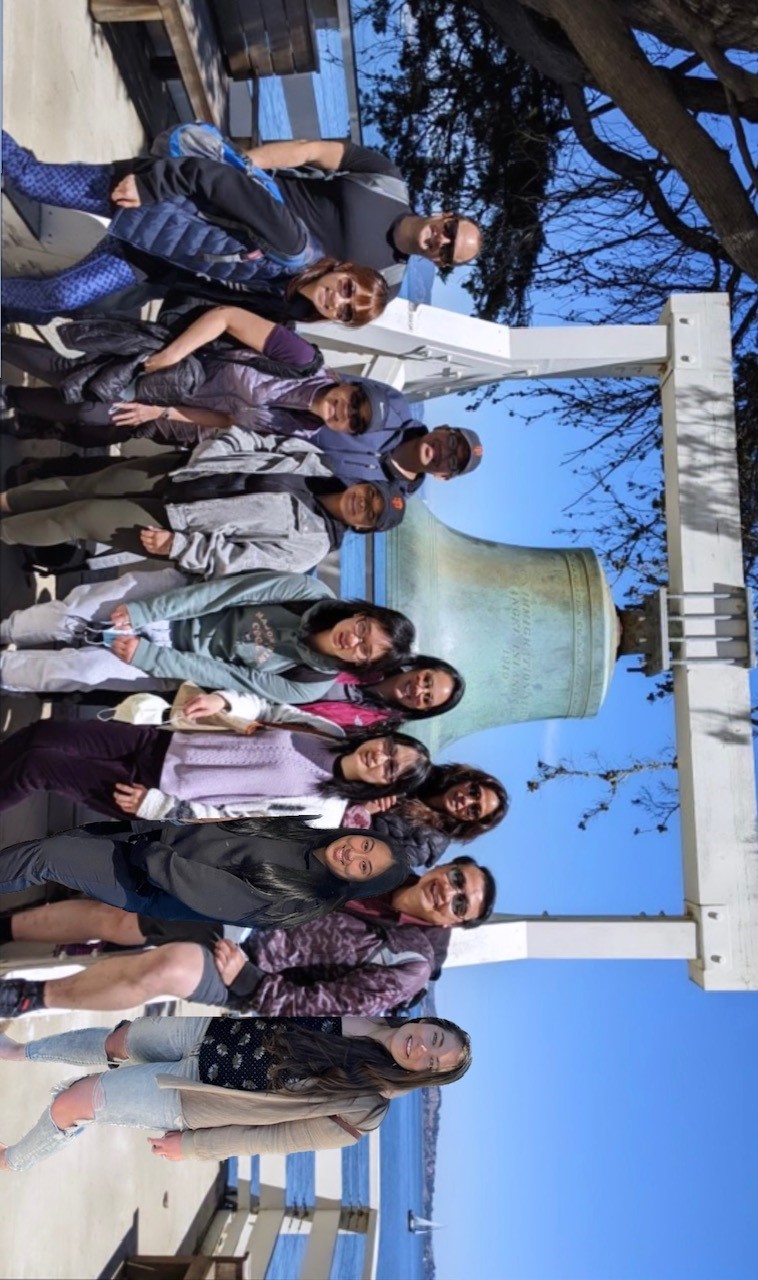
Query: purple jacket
point(343, 963)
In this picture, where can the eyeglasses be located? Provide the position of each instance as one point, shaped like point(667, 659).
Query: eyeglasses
point(460, 903)
point(390, 768)
point(427, 689)
point(450, 231)
point(364, 650)
point(458, 453)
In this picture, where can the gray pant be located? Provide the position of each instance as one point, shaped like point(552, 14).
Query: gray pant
point(64, 670)
point(110, 505)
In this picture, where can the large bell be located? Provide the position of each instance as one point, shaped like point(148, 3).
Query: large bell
point(534, 630)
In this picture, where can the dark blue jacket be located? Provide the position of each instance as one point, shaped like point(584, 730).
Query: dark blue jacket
point(358, 458)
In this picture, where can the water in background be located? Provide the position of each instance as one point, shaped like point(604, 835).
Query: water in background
point(402, 1177)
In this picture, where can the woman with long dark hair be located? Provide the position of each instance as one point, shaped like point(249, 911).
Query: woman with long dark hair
point(261, 872)
point(281, 636)
point(454, 802)
point(417, 688)
point(149, 772)
point(458, 801)
point(198, 219)
point(234, 1086)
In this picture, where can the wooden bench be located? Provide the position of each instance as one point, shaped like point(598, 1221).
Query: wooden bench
point(267, 37)
point(214, 41)
point(190, 28)
point(182, 1267)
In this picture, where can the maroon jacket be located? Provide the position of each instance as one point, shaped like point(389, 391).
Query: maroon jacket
point(347, 962)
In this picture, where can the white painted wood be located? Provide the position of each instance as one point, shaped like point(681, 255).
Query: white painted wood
point(273, 1179)
point(268, 1224)
point(442, 351)
point(717, 783)
point(575, 938)
point(329, 1173)
point(323, 1237)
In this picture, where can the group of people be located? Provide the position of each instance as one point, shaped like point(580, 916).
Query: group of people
point(272, 830)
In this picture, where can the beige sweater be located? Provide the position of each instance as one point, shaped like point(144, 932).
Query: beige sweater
point(228, 1122)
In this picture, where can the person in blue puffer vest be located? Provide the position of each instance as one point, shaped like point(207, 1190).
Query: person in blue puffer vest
point(171, 219)
point(239, 222)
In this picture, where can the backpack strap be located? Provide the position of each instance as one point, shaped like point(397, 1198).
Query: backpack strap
point(345, 1124)
point(382, 184)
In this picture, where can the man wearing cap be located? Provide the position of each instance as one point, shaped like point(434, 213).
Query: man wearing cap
point(396, 446)
point(241, 502)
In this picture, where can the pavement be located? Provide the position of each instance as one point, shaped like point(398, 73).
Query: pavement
point(107, 1195)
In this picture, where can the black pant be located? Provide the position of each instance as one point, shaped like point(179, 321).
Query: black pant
point(43, 410)
point(95, 864)
point(83, 760)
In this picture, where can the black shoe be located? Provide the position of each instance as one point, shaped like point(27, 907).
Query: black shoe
point(15, 1000)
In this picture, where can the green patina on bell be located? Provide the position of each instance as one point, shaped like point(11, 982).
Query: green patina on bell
point(534, 630)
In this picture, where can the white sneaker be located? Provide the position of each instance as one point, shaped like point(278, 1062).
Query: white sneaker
point(49, 333)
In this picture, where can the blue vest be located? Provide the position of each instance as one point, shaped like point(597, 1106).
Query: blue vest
point(175, 231)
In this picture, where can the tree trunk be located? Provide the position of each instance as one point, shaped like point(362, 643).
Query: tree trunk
point(732, 24)
point(619, 68)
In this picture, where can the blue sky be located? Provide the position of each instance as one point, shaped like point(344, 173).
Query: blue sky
point(604, 1131)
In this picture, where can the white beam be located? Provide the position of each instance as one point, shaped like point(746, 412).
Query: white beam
point(575, 938)
point(717, 782)
point(440, 351)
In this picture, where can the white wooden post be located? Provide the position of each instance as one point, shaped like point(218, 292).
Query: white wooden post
point(430, 352)
point(575, 938)
point(717, 784)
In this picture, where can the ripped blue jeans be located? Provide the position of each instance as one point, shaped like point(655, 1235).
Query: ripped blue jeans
point(129, 1096)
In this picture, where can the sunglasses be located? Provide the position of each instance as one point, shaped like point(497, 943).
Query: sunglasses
point(473, 795)
point(460, 903)
point(346, 288)
point(356, 411)
point(450, 231)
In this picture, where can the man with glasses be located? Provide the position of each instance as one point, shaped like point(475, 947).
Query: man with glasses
point(397, 446)
point(355, 201)
point(373, 956)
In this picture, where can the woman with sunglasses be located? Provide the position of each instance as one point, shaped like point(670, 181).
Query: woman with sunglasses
point(217, 1087)
point(247, 370)
point(195, 219)
point(454, 802)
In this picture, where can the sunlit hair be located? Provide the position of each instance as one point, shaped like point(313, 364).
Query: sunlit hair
point(408, 780)
point(441, 776)
point(350, 1064)
point(366, 308)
